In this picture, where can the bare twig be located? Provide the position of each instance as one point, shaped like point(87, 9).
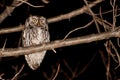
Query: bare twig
point(114, 13)
point(109, 50)
point(1, 76)
point(69, 69)
point(58, 69)
point(22, 1)
point(106, 12)
point(102, 20)
point(103, 58)
point(18, 72)
point(78, 29)
point(117, 15)
point(86, 66)
point(117, 54)
point(4, 45)
point(54, 73)
point(93, 15)
point(59, 43)
point(10, 30)
point(108, 75)
point(67, 65)
point(107, 25)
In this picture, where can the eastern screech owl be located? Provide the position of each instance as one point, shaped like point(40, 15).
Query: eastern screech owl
point(35, 32)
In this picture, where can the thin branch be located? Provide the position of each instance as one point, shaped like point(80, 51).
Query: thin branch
point(117, 54)
point(69, 69)
point(30, 4)
point(68, 66)
point(114, 13)
point(18, 72)
point(4, 45)
point(56, 74)
point(117, 15)
point(78, 29)
point(103, 58)
point(59, 43)
point(93, 15)
point(108, 75)
point(106, 12)
point(86, 66)
point(110, 51)
point(101, 21)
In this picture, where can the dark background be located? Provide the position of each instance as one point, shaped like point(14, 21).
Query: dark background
point(76, 57)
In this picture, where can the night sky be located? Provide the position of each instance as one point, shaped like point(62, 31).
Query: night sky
point(84, 61)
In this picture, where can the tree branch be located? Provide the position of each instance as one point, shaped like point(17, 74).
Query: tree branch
point(59, 43)
point(10, 30)
point(53, 19)
point(73, 13)
point(9, 9)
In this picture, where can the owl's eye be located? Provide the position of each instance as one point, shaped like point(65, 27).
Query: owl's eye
point(42, 21)
point(34, 20)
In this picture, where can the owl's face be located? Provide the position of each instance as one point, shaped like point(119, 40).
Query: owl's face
point(36, 21)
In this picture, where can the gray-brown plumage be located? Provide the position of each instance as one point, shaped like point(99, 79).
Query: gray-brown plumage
point(35, 32)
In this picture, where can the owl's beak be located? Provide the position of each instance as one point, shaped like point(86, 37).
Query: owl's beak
point(39, 24)
point(31, 27)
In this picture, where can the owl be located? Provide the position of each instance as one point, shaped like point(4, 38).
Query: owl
point(35, 32)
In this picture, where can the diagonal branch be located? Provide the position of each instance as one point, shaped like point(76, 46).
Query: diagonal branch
point(9, 9)
point(93, 15)
point(59, 43)
point(53, 19)
point(73, 13)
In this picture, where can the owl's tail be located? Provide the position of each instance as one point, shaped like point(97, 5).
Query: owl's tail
point(34, 60)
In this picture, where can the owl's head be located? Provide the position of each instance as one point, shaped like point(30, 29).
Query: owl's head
point(34, 21)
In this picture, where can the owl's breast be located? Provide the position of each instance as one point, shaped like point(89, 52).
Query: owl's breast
point(35, 36)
